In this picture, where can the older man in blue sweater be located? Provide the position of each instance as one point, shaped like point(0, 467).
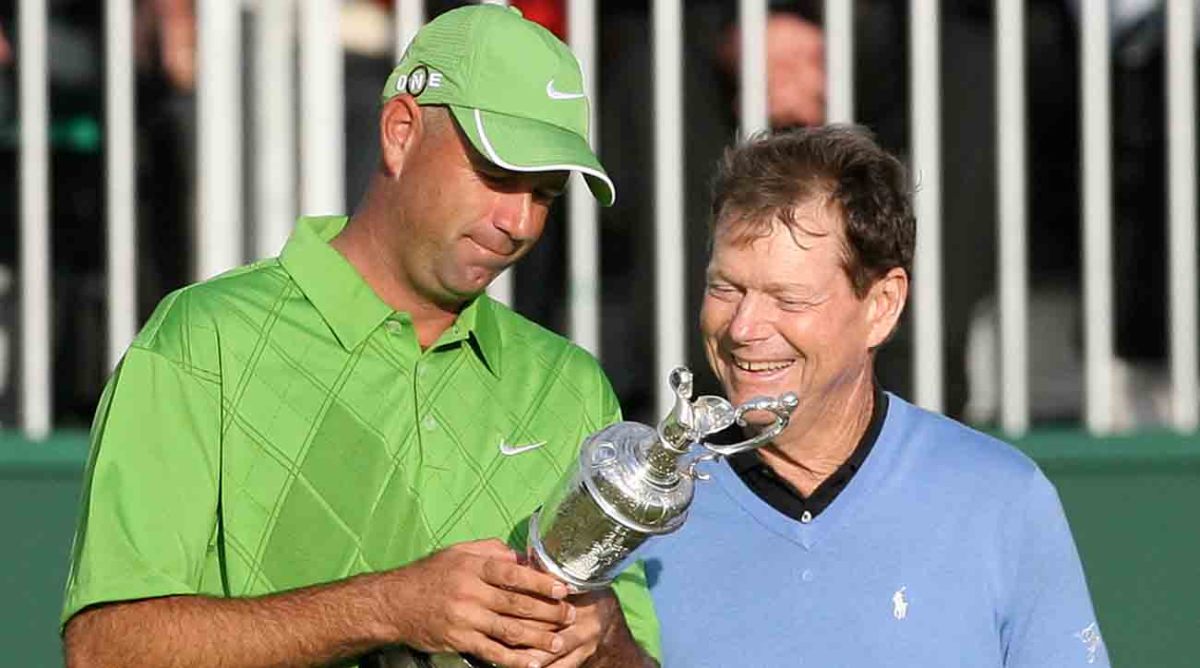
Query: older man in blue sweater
point(870, 532)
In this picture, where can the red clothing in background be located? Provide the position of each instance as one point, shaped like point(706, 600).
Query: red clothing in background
point(551, 14)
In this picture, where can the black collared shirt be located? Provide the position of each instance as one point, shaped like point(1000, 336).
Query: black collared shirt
point(782, 496)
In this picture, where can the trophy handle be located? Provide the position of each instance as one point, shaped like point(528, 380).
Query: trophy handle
point(676, 429)
point(781, 407)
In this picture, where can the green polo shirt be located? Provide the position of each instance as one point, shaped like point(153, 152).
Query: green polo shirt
point(279, 426)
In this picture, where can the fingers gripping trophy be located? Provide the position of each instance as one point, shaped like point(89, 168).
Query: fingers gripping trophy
point(632, 482)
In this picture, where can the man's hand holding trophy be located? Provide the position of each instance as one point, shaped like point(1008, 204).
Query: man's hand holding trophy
point(632, 482)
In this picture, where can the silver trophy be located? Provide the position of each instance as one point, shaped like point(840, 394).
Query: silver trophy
point(632, 482)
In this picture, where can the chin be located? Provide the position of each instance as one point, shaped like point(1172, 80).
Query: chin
point(470, 282)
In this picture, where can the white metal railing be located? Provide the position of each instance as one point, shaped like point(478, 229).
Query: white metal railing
point(583, 262)
point(121, 165)
point(839, 61)
point(1011, 219)
point(306, 30)
point(218, 228)
point(752, 22)
point(669, 241)
point(274, 126)
point(35, 221)
point(502, 288)
point(322, 137)
point(927, 168)
point(1181, 174)
point(1097, 216)
point(410, 16)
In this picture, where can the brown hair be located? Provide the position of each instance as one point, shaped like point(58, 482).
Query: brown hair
point(762, 181)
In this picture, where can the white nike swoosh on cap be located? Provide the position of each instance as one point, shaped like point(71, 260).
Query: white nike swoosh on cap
point(556, 95)
point(510, 450)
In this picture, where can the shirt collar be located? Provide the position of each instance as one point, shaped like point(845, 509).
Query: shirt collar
point(477, 325)
point(352, 309)
point(750, 460)
point(347, 304)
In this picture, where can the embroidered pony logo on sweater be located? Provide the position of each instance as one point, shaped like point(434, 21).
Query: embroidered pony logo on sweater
point(899, 604)
point(1090, 637)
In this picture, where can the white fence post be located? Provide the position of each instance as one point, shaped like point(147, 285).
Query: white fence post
point(35, 221)
point(584, 251)
point(839, 61)
point(1011, 166)
point(926, 94)
point(1181, 162)
point(670, 303)
point(1096, 154)
point(218, 232)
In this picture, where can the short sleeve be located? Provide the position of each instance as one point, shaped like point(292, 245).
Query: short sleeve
point(610, 408)
point(1048, 620)
point(637, 605)
point(148, 516)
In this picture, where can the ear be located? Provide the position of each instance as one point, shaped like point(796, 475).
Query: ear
point(400, 125)
point(886, 300)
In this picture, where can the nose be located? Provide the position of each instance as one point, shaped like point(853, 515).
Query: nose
point(751, 320)
point(518, 216)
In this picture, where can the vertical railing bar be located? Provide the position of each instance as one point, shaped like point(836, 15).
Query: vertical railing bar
point(752, 20)
point(1181, 160)
point(35, 221)
point(275, 125)
point(669, 242)
point(584, 238)
point(120, 158)
point(410, 16)
point(839, 61)
point(927, 172)
point(1011, 187)
point(1096, 153)
point(502, 288)
point(322, 123)
point(218, 230)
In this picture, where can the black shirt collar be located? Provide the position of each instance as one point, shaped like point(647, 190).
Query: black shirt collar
point(782, 496)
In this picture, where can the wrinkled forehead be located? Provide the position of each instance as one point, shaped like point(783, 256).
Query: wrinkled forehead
point(806, 222)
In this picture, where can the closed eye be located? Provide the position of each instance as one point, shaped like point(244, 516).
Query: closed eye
point(723, 291)
point(794, 304)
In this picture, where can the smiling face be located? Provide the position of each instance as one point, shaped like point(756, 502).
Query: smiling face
point(780, 314)
point(465, 220)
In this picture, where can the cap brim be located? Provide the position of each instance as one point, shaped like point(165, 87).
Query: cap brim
point(523, 145)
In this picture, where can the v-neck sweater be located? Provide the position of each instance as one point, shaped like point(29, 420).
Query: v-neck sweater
point(946, 548)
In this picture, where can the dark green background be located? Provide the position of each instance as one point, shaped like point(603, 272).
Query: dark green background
point(1132, 502)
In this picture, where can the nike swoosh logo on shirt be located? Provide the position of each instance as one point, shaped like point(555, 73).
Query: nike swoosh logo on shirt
point(557, 95)
point(510, 450)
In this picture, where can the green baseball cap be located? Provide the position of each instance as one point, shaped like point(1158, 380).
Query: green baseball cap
point(514, 89)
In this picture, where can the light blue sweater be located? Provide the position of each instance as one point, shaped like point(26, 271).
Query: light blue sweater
point(947, 548)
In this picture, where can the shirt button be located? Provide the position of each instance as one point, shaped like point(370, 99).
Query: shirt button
point(395, 327)
point(805, 517)
point(429, 423)
point(807, 575)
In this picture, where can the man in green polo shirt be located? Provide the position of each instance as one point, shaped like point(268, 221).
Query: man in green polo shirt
point(318, 455)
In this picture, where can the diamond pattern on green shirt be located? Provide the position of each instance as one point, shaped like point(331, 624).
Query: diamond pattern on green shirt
point(279, 426)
